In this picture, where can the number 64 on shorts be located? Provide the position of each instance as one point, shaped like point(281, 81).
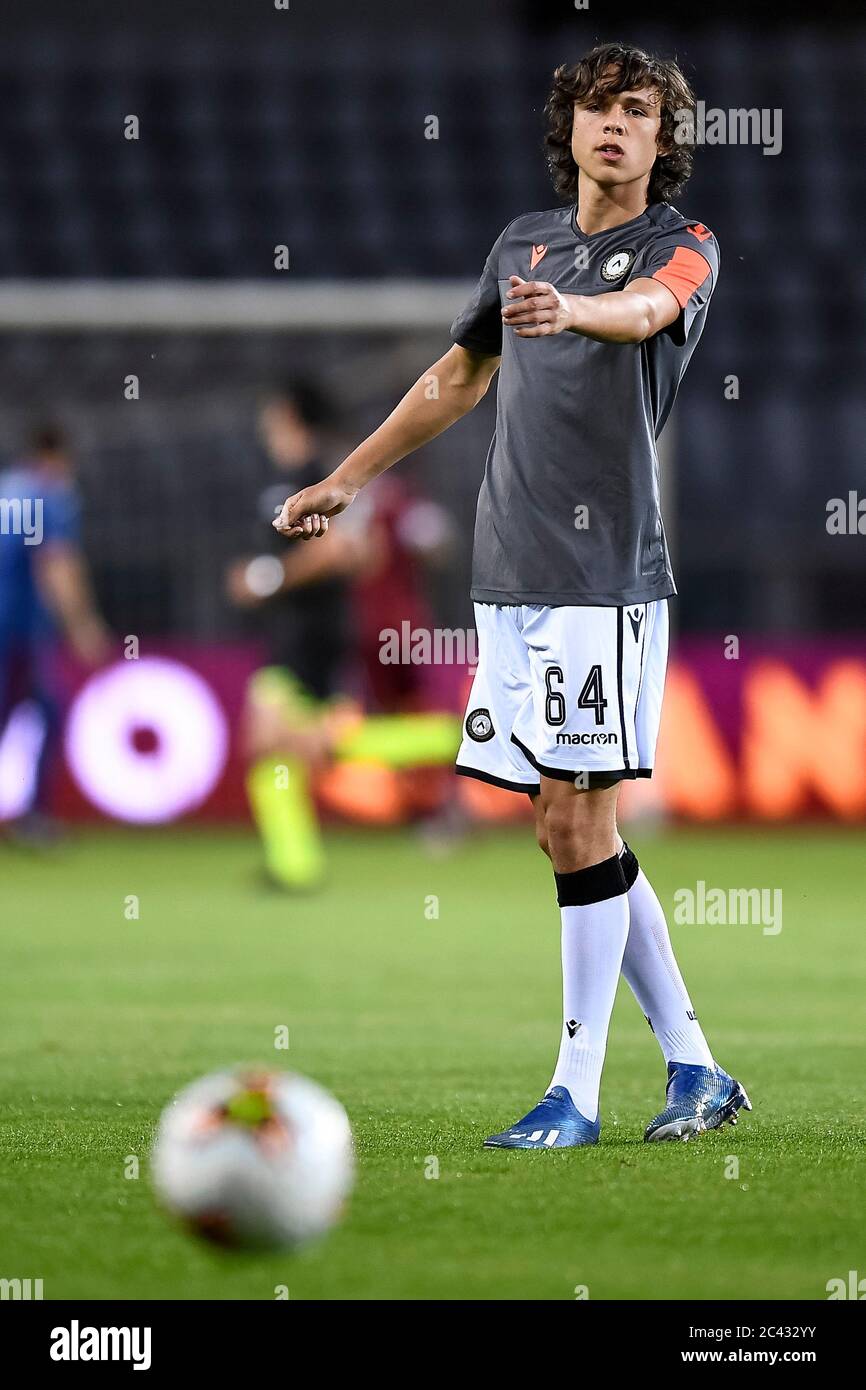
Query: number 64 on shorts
point(566, 691)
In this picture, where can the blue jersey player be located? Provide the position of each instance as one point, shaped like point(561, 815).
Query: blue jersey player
point(45, 597)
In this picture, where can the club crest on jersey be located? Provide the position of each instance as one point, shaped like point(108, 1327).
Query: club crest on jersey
point(479, 725)
point(617, 264)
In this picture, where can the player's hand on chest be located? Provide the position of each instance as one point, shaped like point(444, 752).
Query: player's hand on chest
point(570, 267)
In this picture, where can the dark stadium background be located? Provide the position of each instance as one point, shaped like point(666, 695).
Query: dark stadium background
point(136, 957)
point(261, 127)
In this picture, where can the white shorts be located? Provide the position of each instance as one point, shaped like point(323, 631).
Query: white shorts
point(567, 692)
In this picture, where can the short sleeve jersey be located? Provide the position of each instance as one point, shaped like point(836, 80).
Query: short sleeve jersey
point(568, 511)
point(37, 511)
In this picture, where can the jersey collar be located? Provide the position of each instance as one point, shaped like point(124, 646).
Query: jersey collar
point(606, 231)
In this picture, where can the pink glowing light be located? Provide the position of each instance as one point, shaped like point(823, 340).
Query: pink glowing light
point(146, 740)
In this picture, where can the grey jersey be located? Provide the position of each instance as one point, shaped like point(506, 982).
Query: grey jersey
point(568, 511)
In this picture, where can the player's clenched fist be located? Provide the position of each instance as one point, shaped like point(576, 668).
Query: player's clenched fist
point(306, 513)
point(536, 309)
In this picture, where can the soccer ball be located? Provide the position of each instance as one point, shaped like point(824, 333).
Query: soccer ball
point(254, 1158)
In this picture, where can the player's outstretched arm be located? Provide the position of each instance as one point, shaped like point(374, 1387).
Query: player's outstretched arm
point(446, 392)
point(631, 315)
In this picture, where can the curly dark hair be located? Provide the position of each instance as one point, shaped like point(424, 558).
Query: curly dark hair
point(611, 68)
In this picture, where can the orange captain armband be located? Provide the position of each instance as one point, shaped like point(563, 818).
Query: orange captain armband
point(684, 273)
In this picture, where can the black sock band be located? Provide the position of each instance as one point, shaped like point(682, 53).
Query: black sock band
point(593, 885)
point(629, 863)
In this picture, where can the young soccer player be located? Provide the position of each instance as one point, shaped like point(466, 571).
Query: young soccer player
point(571, 574)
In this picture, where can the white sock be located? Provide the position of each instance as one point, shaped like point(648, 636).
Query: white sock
point(593, 940)
point(654, 977)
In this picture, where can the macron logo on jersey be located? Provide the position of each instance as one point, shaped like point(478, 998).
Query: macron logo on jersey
point(587, 738)
point(538, 254)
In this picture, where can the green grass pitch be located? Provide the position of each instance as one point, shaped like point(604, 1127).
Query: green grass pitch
point(433, 1031)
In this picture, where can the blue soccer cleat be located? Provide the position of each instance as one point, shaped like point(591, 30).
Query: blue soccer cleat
point(555, 1123)
point(698, 1099)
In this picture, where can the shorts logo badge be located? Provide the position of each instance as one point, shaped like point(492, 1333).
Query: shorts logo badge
point(618, 264)
point(479, 725)
point(636, 618)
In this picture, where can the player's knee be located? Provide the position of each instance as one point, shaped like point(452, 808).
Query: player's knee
point(578, 831)
point(561, 825)
point(255, 738)
point(263, 730)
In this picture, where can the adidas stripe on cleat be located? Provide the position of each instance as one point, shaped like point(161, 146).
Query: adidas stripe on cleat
point(555, 1123)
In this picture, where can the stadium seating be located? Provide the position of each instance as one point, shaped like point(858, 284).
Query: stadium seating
point(322, 147)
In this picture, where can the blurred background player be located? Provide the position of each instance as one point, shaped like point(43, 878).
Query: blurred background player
point(45, 598)
point(303, 617)
point(302, 608)
point(411, 539)
point(298, 717)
